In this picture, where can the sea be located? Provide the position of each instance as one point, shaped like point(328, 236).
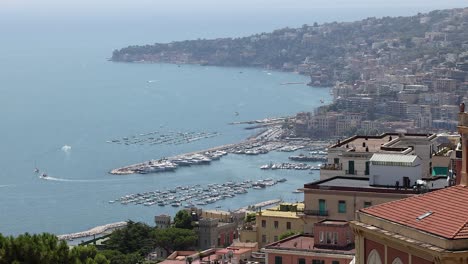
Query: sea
point(62, 101)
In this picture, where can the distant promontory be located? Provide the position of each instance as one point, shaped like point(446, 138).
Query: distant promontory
point(325, 51)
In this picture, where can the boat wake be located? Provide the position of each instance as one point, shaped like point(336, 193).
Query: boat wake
point(2, 186)
point(48, 178)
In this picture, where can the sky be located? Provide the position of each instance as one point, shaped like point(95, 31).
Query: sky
point(192, 19)
point(77, 8)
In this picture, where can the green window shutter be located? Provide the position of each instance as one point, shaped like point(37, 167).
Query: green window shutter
point(341, 206)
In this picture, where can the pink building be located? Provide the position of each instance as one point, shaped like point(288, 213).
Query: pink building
point(332, 243)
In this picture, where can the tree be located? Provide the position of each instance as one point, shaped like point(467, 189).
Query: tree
point(287, 234)
point(183, 220)
point(134, 237)
point(171, 239)
point(250, 217)
point(117, 257)
point(45, 248)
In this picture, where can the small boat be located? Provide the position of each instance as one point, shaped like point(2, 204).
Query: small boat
point(36, 170)
point(43, 176)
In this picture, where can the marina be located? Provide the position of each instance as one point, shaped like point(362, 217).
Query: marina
point(189, 196)
point(272, 139)
point(160, 137)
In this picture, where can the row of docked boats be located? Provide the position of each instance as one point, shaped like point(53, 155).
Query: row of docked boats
point(168, 138)
point(259, 147)
point(287, 166)
point(302, 157)
point(170, 164)
point(195, 195)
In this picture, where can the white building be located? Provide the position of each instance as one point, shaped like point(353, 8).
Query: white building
point(394, 170)
point(351, 157)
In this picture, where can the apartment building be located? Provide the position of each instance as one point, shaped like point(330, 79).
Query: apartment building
point(351, 157)
point(331, 243)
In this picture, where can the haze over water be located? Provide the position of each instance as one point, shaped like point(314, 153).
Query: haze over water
point(57, 89)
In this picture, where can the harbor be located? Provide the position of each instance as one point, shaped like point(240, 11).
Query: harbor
point(189, 196)
point(274, 138)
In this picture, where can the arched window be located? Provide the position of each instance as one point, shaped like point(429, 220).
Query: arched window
point(397, 261)
point(374, 257)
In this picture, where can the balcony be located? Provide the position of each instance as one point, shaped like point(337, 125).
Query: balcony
point(316, 212)
point(331, 167)
point(351, 172)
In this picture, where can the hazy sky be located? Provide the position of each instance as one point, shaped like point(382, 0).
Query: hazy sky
point(125, 7)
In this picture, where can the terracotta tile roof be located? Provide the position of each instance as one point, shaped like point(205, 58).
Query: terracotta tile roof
point(443, 213)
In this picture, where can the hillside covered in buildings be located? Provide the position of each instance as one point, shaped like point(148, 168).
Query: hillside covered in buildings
point(404, 74)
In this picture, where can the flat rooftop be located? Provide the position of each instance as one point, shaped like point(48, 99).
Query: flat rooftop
point(305, 243)
point(279, 214)
point(374, 143)
point(361, 184)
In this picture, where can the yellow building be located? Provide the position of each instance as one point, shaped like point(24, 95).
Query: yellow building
point(274, 222)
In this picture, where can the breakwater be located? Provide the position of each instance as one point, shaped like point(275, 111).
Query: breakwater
point(93, 231)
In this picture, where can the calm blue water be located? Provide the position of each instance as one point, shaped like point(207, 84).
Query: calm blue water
point(57, 89)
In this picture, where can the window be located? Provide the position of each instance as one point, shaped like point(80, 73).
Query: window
point(367, 171)
point(335, 262)
point(275, 238)
point(351, 167)
point(322, 207)
point(288, 225)
point(278, 260)
point(276, 224)
point(367, 204)
point(374, 257)
point(329, 237)
point(322, 237)
point(263, 238)
point(336, 160)
point(335, 238)
point(301, 261)
point(397, 261)
point(341, 206)
point(318, 261)
point(263, 223)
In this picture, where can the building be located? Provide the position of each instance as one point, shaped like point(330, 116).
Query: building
point(274, 222)
point(445, 85)
point(427, 228)
point(213, 233)
point(331, 243)
point(162, 221)
point(395, 170)
point(339, 197)
point(351, 157)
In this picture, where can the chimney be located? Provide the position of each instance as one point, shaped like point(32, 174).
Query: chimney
point(390, 138)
